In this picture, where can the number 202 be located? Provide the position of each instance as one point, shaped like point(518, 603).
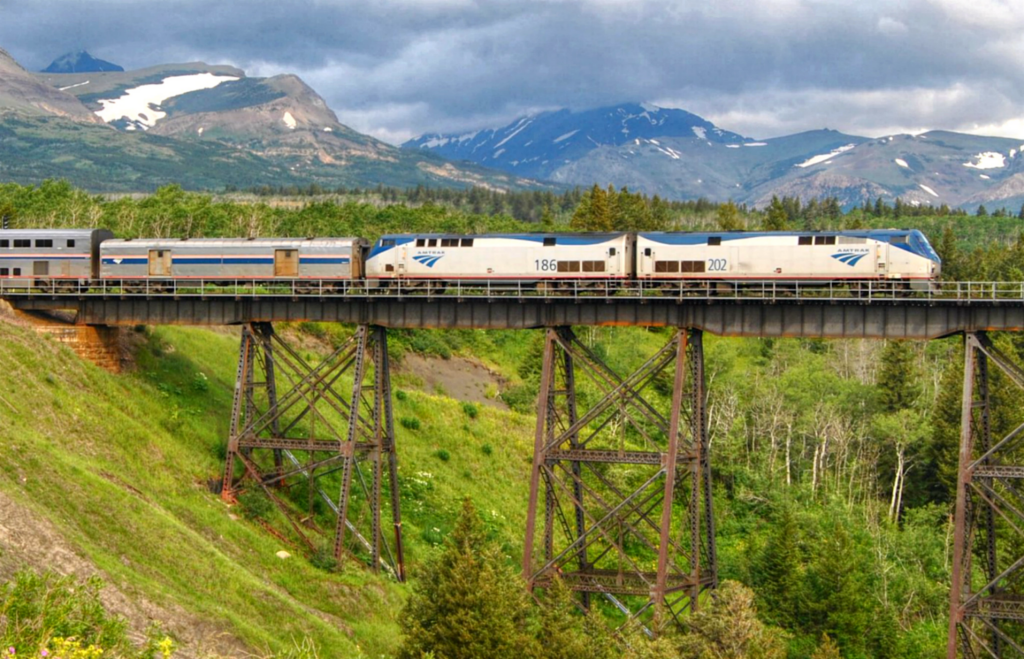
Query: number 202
point(716, 265)
point(546, 265)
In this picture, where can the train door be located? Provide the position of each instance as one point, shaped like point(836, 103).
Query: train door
point(286, 263)
point(882, 260)
point(159, 263)
point(645, 264)
point(614, 262)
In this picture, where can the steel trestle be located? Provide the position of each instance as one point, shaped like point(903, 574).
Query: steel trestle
point(293, 426)
point(626, 511)
point(986, 601)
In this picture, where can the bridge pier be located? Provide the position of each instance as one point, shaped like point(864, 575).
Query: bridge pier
point(986, 604)
point(612, 473)
point(292, 425)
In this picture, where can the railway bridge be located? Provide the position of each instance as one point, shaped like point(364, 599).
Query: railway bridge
point(647, 547)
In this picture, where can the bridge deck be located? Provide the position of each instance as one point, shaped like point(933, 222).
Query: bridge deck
point(768, 309)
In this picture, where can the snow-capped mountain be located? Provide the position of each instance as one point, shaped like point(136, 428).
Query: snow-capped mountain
point(679, 155)
point(278, 130)
point(539, 146)
point(80, 62)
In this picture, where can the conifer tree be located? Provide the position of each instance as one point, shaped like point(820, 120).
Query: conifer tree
point(565, 633)
point(468, 603)
point(777, 574)
point(898, 376)
point(776, 219)
point(729, 629)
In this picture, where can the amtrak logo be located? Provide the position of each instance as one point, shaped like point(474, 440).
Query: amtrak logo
point(427, 259)
point(849, 258)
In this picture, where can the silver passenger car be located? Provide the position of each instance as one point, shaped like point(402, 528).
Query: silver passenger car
point(35, 257)
point(220, 259)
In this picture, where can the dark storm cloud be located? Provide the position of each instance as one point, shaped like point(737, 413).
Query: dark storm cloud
point(396, 68)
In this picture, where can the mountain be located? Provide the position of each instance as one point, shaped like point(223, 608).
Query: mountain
point(80, 62)
point(679, 155)
point(202, 126)
point(540, 146)
point(23, 93)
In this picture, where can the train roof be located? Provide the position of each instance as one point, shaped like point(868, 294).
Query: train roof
point(589, 235)
point(51, 233)
point(232, 242)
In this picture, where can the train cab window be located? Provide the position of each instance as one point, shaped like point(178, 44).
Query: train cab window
point(17, 272)
point(432, 242)
point(5, 243)
point(824, 240)
point(387, 242)
point(44, 243)
point(71, 243)
point(550, 242)
point(5, 272)
point(421, 242)
point(714, 240)
point(449, 242)
point(22, 243)
point(897, 240)
point(805, 240)
point(467, 242)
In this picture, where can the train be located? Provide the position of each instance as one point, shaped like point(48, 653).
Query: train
point(56, 258)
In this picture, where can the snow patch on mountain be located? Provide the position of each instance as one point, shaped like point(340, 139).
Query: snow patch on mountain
point(289, 120)
point(928, 190)
point(565, 136)
point(523, 123)
point(700, 132)
point(140, 105)
point(825, 157)
point(902, 163)
point(987, 160)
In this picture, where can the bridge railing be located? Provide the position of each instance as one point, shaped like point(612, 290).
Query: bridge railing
point(582, 289)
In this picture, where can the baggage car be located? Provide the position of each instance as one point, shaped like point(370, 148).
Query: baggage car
point(221, 260)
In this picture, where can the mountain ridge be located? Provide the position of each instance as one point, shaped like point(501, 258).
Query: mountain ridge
point(678, 155)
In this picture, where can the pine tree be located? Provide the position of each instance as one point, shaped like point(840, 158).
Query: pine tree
point(827, 649)
point(777, 573)
point(776, 218)
point(982, 211)
point(898, 376)
point(468, 603)
point(729, 629)
point(566, 633)
point(594, 212)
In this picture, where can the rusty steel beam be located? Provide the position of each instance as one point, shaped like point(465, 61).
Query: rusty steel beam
point(285, 405)
point(986, 595)
point(582, 525)
point(908, 318)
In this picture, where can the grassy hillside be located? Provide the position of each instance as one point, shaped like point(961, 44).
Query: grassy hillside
point(115, 467)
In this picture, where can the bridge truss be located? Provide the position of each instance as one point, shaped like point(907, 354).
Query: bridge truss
point(620, 491)
point(300, 428)
point(986, 596)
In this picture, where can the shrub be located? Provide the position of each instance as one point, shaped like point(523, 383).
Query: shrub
point(254, 504)
point(487, 449)
point(442, 455)
point(401, 395)
point(471, 410)
point(410, 423)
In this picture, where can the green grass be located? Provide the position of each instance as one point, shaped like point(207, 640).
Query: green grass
point(120, 464)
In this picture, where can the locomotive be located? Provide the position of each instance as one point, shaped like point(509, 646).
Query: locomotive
point(55, 258)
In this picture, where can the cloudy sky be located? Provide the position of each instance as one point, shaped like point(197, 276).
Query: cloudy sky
point(399, 68)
